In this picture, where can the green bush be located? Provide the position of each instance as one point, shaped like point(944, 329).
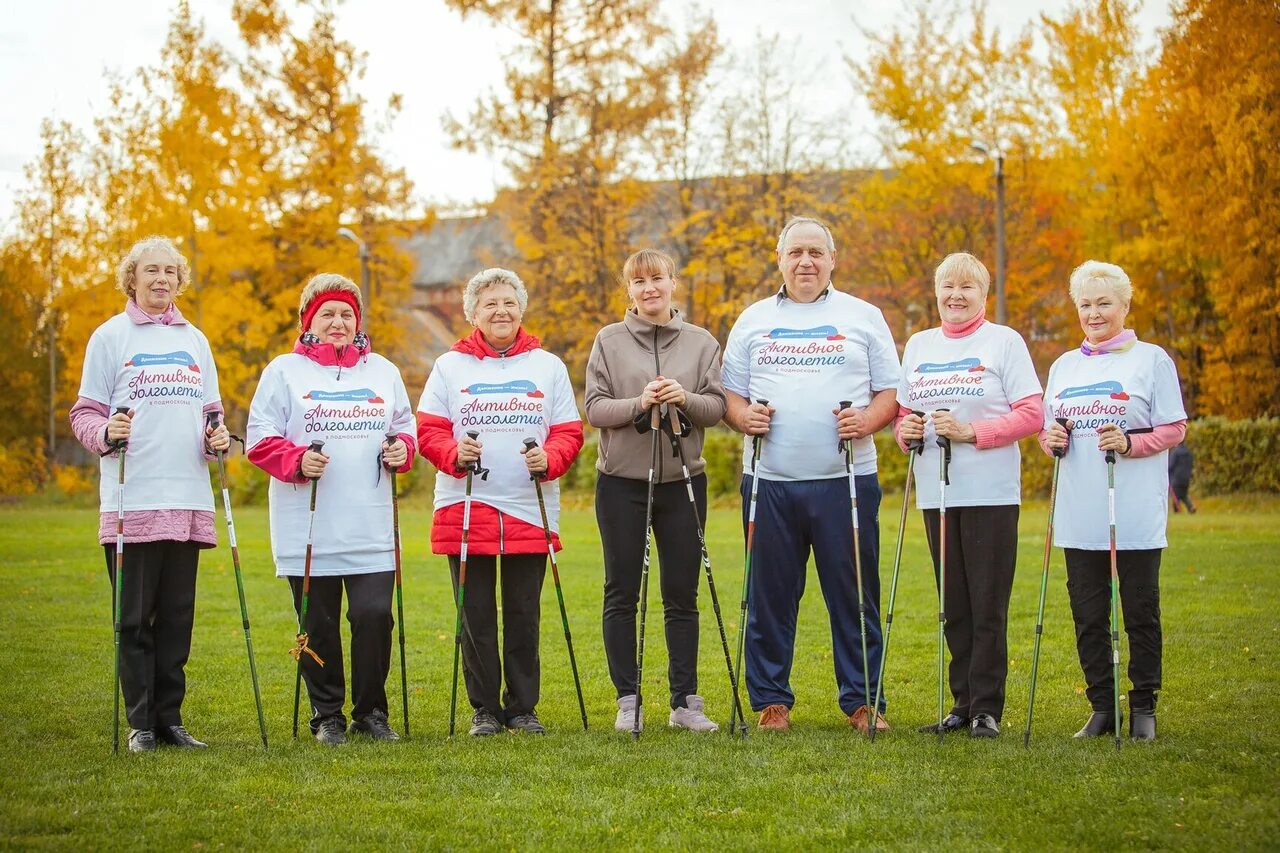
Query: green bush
point(1235, 456)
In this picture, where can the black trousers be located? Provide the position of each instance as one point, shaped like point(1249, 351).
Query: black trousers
point(620, 513)
point(519, 665)
point(1089, 586)
point(369, 614)
point(982, 553)
point(1181, 494)
point(158, 601)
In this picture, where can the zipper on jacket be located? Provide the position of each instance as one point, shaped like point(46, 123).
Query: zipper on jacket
point(501, 549)
point(657, 366)
point(339, 353)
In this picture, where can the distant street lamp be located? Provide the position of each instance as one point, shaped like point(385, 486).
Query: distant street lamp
point(1002, 314)
point(348, 234)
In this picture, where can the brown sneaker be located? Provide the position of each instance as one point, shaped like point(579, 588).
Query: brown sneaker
point(858, 719)
point(775, 718)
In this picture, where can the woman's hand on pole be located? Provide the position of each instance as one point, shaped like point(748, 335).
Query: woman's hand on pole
point(119, 426)
point(313, 464)
point(850, 423)
point(217, 438)
point(394, 454)
point(1111, 437)
point(468, 452)
point(670, 391)
point(911, 428)
point(535, 459)
point(946, 426)
point(1056, 437)
point(649, 396)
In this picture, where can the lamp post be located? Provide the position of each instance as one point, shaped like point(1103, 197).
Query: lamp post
point(348, 234)
point(1002, 314)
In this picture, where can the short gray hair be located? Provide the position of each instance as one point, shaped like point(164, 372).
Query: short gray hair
point(127, 272)
point(803, 220)
point(485, 279)
point(1103, 273)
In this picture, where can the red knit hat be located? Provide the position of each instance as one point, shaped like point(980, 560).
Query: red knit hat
point(313, 307)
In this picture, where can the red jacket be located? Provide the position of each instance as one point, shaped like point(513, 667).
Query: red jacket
point(492, 531)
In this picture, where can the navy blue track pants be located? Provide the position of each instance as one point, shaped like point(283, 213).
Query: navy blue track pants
point(794, 519)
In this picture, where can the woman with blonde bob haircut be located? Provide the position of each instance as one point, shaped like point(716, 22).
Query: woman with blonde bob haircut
point(652, 358)
point(156, 372)
point(333, 388)
point(1118, 394)
point(972, 382)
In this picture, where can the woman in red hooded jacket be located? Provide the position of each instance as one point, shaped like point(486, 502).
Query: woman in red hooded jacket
point(500, 384)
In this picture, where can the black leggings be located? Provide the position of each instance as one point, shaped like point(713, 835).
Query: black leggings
point(620, 512)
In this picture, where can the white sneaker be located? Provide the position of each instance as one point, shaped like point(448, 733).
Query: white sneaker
point(691, 717)
point(626, 718)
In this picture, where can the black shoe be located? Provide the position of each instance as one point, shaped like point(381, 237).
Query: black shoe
point(142, 740)
point(331, 731)
point(526, 723)
point(484, 723)
point(179, 736)
point(1142, 725)
point(950, 723)
point(375, 726)
point(983, 725)
point(1100, 724)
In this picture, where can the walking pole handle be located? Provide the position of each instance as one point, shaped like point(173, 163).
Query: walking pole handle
point(655, 417)
point(1060, 452)
point(316, 446)
point(120, 443)
point(1111, 457)
point(840, 445)
point(916, 445)
point(945, 444)
point(530, 444)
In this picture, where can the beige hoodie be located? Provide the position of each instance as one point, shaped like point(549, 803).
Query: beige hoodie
point(622, 362)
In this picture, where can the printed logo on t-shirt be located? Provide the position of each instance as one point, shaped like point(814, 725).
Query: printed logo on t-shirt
point(366, 414)
point(934, 383)
point(1095, 404)
point(360, 395)
point(165, 386)
point(802, 350)
point(518, 386)
point(503, 406)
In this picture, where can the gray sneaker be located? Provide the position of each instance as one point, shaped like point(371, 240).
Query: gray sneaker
point(528, 724)
point(332, 731)
point(484, 723)
point(625, 721)
point(691, 717)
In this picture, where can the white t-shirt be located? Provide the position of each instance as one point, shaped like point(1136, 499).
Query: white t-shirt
point(505, 400)
point(167, 376)
point(978, 377)
point(1136, 389)
point(350, 409)
point(805, 358)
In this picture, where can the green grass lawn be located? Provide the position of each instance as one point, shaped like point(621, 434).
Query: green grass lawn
point(1210, 782)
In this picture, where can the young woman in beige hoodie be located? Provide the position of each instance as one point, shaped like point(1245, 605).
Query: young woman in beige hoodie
point(653, 357)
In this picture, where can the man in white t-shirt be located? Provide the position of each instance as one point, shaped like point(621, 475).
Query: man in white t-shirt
point(805, 349)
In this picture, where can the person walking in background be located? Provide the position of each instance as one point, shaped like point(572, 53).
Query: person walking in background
point(652, 358)
point(1180, 464)
point(151, 362)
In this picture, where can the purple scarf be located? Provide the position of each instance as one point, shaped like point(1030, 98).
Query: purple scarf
point(1120, 343)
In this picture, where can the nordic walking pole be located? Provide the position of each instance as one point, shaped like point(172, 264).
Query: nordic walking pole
point(1115, 591)
point(678, 445)
point(472, 469)
point(301, 640)
point(846, 445)
point(914, 449)
point(944, 460)
point(655, 424)
point(211, 419)
point(118, 587)
point(757, 443)
point(392, 435)
point(529, 444)
point(1058, 453)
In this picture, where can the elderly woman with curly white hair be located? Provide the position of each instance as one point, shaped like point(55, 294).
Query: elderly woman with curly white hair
point(155, 372)
point(1117, 394)
point(499, 384)
point(333, 388)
